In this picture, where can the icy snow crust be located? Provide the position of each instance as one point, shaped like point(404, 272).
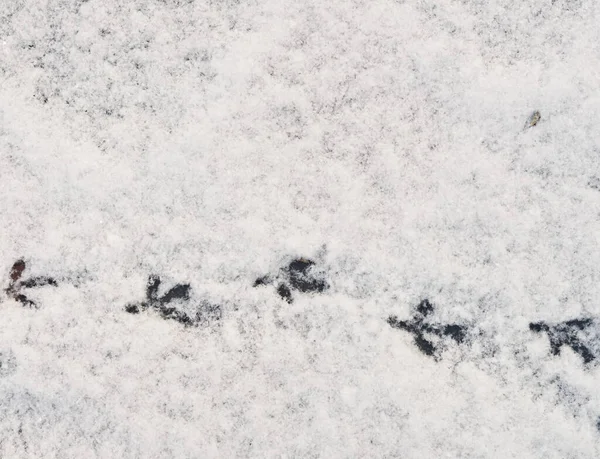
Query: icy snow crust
point(212, 144)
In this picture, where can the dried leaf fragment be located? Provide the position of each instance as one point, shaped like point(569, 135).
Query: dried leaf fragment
point(533, 119)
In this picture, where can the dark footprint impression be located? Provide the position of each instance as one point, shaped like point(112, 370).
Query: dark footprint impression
point(424, 331)
point(581, 335)
point(299, 275)
point(179, 293)
point(16, 285)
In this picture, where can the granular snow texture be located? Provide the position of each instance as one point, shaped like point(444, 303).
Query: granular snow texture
point(300, 229)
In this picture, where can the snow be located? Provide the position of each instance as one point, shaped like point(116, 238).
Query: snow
point(213, 142)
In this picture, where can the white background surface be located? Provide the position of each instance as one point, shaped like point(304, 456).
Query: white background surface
point(210, 141)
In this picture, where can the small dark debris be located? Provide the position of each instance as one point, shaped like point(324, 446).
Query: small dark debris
point(598, 424)
point(533, 119)
point(419, 328)
point(566, 334)
point(16, 284)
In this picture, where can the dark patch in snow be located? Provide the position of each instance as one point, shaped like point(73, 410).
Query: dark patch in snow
point(426, 347)
point(24, 301)
point(132, 309)
point(205, 314)
point(456, 332)
point(424, 308)
point(423, 330)
point(16, 284)
point(284, 292)
point(302, 278)
point(264, 280)
point(179, 292)
point(39, 282)
point(299, 275)
point(570, 333)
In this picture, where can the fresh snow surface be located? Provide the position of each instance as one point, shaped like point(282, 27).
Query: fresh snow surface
point(356, 157)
